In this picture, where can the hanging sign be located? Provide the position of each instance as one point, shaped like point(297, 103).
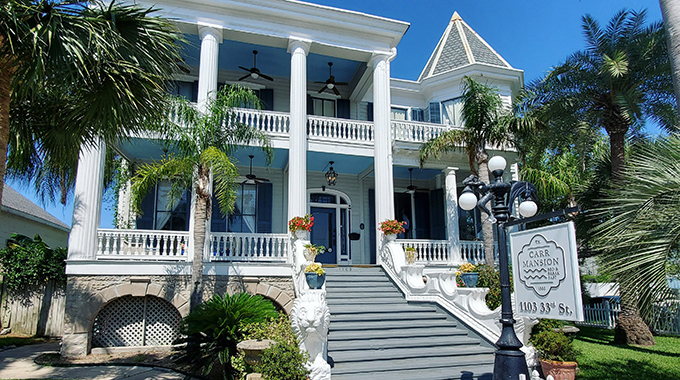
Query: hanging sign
point(545, 273)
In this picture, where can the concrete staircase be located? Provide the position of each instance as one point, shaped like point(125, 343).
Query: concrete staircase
point(376, 334)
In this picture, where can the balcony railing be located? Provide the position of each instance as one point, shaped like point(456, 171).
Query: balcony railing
point(336, 129)
point(328, 128)
point(229, 246)
point(415, 131)
point(472, 251)
point(142, 245)
point(428, 251)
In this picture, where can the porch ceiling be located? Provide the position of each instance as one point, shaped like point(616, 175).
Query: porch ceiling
point(273, 61)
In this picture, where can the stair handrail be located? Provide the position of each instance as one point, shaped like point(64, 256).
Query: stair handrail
point(467, 304)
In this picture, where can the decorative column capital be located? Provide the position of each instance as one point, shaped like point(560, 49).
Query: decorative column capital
point(210, 29)
point(450, 170)
point(297, 43)
point(379, 56)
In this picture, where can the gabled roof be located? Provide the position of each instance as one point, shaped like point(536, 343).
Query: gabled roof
point(460, 46)
point(17, 204)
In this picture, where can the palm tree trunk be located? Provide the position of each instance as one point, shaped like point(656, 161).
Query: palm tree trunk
point(617, 146)
point(670, 9)
point(201, 216)
point(487, 226)
point(6, 73)
point(630, 327)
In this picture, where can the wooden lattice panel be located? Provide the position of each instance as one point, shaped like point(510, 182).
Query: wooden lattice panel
point(136, 321)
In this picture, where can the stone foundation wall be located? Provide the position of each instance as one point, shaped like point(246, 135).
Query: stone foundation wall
point(86, 295)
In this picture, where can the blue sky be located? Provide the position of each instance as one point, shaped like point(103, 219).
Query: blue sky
point(531, 35)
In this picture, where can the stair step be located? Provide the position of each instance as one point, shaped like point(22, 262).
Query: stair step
point(387, 308)
point(340, 295)
point(421, 363)
point(352, 283)
point(362, 343)
point(413, 315)
point(408, 353)
point(362, 289)
point(365, 301)
point(469, 372)
point(402, 332)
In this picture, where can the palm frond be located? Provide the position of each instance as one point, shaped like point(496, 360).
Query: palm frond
point(180, 170)
point(225, 174)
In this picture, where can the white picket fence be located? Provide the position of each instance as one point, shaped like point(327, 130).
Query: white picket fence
point(600, 315)
point(666, 319)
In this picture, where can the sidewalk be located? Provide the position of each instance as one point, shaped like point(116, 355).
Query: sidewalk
point(17, 363)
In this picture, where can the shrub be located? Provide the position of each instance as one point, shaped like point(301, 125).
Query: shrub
point(279, 330)
point(283, 361)
point(553, 345)
point(490, 278)
point(215, 327)
point(27, 263)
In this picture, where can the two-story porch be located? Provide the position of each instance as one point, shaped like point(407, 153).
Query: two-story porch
point(367, 124)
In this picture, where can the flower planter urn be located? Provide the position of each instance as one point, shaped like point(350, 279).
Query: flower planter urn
point(301, 234)
point(390, 237)
point(559, 370)
point(314, 280)
point(470, 279)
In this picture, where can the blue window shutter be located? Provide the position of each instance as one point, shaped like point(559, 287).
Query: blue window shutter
point(264, 208)
point(267, 97)
point(343, 108)
point(145, 220)
point(218, 222)
point(435, 114)
point(369, 111)
point(310, 105)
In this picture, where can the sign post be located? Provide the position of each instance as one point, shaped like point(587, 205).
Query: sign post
point(546, 273)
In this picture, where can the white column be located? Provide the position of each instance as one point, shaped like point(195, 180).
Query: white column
point(452, 228)
point(297, 155)
point(211, 38)
point(87, 203)
point(382, 151)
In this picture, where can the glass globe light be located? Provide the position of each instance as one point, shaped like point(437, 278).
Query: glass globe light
point(528, 208)
point(330, 86)
point(467, 201)
point(254, 75)
point(497, 163)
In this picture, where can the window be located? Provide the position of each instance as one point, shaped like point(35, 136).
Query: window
point(452, 111)
point(186, 90)
point(399, 114)
point(157, 213)
point(252, 211)
point(323, 107)
point(417, 114)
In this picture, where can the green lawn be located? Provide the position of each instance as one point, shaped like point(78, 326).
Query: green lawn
point(602, 360)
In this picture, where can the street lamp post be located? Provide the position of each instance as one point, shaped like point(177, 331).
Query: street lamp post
point(509, 362)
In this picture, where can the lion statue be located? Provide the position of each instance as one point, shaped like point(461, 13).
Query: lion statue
point(310, 318)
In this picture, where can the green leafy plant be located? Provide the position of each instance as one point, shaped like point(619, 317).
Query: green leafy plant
point(27, 263)
point(283, 361)
point(314, 250)
point(215, 327)
point(278, 330)
point(554, 345)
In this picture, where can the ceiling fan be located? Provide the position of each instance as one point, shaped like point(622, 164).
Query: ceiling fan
point(251, 178)
point(411, 189)
point(330, 82)
point(254, 71)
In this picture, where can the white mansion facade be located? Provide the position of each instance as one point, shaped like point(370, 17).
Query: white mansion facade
point(370, 125)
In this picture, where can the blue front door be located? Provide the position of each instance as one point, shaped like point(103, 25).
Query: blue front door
point(324, 233)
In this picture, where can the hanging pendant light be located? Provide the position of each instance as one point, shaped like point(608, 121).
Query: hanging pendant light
point(331, 175)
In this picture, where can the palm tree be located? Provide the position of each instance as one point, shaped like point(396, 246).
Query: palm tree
point(484, 124)
point(671, 18)
point(203, 143)
point(71, 74)
point(642, 226)
point(621, 80)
